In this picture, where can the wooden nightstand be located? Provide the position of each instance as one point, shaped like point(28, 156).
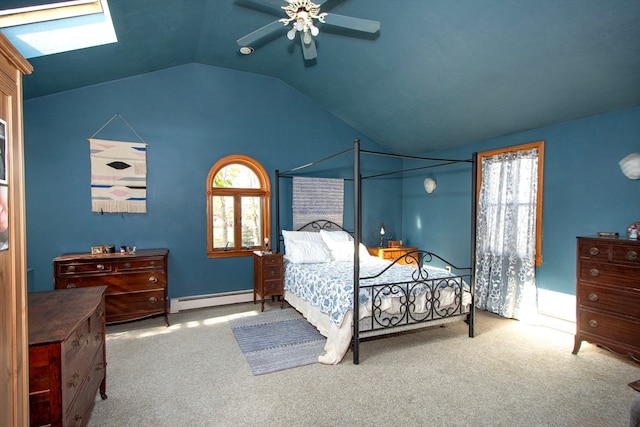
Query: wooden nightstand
point(268, 276)
point(391, 254)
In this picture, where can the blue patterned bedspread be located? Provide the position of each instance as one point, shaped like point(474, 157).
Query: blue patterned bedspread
point(329, 286)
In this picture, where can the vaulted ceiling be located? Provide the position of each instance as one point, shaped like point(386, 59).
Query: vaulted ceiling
point(440, 73)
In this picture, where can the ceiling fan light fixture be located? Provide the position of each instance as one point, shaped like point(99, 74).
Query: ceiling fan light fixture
point(302, 13)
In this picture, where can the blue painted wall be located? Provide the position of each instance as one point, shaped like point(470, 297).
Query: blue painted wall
point(584, 192)
point(190, 116)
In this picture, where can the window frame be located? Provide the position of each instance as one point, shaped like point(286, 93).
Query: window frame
point(264, 192)
point(539, 145)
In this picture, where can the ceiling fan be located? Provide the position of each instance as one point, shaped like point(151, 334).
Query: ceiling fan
point(303, 16)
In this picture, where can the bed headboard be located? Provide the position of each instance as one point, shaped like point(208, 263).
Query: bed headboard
point(315, 226)
point(322, 224)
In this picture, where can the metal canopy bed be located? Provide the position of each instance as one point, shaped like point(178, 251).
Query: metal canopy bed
point(374, 296)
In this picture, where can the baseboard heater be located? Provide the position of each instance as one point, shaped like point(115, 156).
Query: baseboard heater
point(212, 300)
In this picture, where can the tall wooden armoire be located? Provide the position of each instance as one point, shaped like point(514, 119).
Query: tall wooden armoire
point(14, 360)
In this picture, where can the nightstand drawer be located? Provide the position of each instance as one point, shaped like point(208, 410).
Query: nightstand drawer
point(272, 287)
point(272, 272)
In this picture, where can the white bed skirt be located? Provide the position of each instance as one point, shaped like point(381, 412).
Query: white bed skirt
point(338, 339)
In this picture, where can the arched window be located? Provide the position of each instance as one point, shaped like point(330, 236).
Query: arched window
point(238, 219)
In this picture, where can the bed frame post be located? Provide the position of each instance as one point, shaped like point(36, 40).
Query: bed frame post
point(357, 228)
point(474, 224)
point(277, 197)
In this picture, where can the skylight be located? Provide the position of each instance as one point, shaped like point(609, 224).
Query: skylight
point(58, 27)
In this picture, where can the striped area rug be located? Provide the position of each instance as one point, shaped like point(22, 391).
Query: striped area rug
point(277, 340)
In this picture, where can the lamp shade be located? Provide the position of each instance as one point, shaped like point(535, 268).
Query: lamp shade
point(630, 166)
point(429, 185)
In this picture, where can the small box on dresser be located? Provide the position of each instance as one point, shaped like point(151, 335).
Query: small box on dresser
point(268, 276)
point(67, 355)
point(608, 294)
point(392, 253)
point(137, 284)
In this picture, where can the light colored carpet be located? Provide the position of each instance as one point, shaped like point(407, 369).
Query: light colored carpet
point(511, 374)
point(277, 340)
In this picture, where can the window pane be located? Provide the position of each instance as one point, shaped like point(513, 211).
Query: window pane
point(223, 222)
point(236, 176)
point(251, 221)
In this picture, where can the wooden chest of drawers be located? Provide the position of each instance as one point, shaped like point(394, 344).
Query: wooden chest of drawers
point(268, 276)
point(136, 284)
point(608, 294)
point(391, 254)
point(67, 359)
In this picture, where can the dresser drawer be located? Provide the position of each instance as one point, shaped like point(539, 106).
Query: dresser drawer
point(594, 249)
point(621, 330)
point(610, 299)
point(609, 273)
point(115, 283)
point(134, 305)
point(88, 267)
point(78, 412)
point(626, 254)
point(139, 264)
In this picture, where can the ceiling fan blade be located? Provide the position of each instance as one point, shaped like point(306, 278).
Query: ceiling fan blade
point(309, 50)
point(270, 6)
point(355, 24)
point(268, 30)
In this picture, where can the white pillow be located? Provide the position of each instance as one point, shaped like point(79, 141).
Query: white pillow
point(340, 244)
point(307, 251)
point(300, 235)
point(335, 236)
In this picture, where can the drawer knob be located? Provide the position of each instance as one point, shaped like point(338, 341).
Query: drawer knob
point(153, 279)
point(71, 268)
point(594, 272)
point(593, 323)
point(153, 300)
point(152, 263)
point(127, 265)
point(594, 251)
point(632, 255)
point(71, 285)
point(73, 382)
point(100, 267)
point(593, 297)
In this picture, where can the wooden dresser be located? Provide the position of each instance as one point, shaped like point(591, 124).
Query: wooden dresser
point(392, 254)
point(608, 294)
point(268, 276)
point(136, 284)
point(67, 359)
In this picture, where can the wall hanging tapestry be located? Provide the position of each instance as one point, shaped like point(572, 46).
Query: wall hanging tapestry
point(317, 198)
point(118, 176)
point(118, 173)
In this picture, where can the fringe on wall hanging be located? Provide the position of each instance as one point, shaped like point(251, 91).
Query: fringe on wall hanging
point(118, 173)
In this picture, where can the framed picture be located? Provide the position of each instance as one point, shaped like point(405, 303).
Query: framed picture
point(4, 217)
point(3, 152)
point(97, 250)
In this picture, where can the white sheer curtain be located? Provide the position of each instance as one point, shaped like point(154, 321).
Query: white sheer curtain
point(506, 235)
